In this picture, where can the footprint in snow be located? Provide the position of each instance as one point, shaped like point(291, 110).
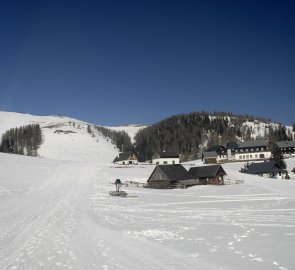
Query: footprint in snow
point(257, 259)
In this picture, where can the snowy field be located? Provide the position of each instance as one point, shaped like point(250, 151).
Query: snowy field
point(57, 214)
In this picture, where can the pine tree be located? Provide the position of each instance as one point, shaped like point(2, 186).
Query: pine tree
point(278, 157)
point(89, 129)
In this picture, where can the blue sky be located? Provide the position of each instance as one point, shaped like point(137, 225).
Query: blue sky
point(117, 62)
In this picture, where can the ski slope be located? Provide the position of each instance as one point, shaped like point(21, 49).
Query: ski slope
point(131, 130)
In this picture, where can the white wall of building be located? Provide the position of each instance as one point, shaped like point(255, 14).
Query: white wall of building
point(126, 162)
point(252, 156)
point(165, 161)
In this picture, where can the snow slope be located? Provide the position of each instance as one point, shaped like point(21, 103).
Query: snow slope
point(64, 138)
point(131, 130)
point(57, 214)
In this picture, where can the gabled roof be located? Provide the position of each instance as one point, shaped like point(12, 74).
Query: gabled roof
point(173, 172)
point(256, 143)
point(206, 171)
point(211, 154)
point(285, 144)
point(123, 156)
point(168, 155)
point(215, 148)
point(263, 167)
point(232, 145)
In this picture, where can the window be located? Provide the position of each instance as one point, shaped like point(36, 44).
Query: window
point(165, 162)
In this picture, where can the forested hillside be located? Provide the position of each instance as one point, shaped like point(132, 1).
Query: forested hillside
point(120, 138)
point(23, 140)
point(189, 134)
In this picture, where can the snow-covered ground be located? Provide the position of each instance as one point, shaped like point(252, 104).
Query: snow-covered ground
point(56, 213)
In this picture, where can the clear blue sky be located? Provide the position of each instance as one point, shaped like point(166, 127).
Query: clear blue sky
point(115, 62)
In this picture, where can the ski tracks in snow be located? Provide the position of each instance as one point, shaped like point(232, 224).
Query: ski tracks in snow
point(37, 226)
point(69, 221)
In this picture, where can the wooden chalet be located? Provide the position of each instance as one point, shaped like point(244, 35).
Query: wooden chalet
point(171, 176)
point(209, 157)
point(287, 147)
point(126, 158)
point(267, 169)
point(220, 151)
point(209, 175)
point(214, 154)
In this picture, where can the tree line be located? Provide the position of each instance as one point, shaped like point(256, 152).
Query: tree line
point(24, 140)
point(120, 138)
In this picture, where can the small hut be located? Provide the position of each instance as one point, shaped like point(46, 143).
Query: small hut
point(209, 175)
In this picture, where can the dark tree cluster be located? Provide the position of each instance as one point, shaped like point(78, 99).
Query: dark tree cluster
point(120, 138)
point(24, 140)
point(276, 135)
point(278, 157)
point(181, 133)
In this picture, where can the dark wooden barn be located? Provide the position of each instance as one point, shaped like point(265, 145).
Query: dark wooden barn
point(209, 175)
point(171, 176)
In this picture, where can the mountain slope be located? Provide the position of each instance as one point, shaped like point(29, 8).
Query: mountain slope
point(64, 138)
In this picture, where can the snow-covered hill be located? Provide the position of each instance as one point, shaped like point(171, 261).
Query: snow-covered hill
point(64, 138)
